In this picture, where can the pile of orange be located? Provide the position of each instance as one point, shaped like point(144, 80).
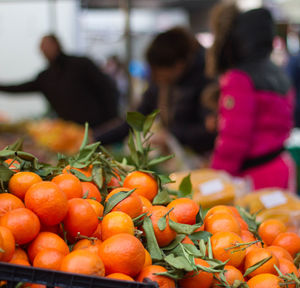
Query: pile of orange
point(66, 224)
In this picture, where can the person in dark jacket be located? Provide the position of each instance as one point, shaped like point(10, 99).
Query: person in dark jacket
point(74, 86)
point(176, 60)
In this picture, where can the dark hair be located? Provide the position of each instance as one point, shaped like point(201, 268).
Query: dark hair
point(239, 37)
point(171, 46)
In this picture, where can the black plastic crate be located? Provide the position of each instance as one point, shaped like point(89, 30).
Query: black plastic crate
point(14, 274)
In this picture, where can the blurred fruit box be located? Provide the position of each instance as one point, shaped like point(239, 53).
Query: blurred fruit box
point(273, 203)
point(211, 187)
point(14, 274)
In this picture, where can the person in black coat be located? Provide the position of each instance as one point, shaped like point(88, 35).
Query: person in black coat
point(176, 60)
point(74, 86)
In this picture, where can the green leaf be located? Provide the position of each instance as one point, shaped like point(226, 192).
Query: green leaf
point(152, 246)
point(200, 217)
point(115, 199)
point(5, 173)
point(84, 157)
point(85, 137)
point(86, 194)
point(183, 228)
point(81, 176)
point(256, 266)
point(162, 223)
point(202, 247)
point(7, 154)
point(174, 243)
point(160, 160)
point(164, 179)
point(297, 260)
point(162, 198)
point(250, 220)
point(133, 150)
point(17, 146)
point(192, 249)
point(209, 249)
point(97, 175)
point(148, 122)
point(179, 262)
point(175, 274)
point(185, 186)
point(138, 221)
point(196, 236)
point(136, 120)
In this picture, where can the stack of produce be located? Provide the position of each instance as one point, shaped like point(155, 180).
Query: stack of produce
point(92, 215)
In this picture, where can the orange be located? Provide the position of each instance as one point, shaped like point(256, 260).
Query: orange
point(20, 182)
point(122, 253)
point(19, 254)
point(20, 262)
point(280, 252)
point(120, 276)
point(87, 171)
point(81, 218)
point(98, 207)
point(8, 244)
point(83, 262)
point(269, 229)
point(23, 223)
point(185, 210)
point(144, 183)
point(91, 245)
point(148, 259)
point(90, 190)
point(247, 237)
point(166, 236)
point(132, 205)
point(13, 165)
point(116, 222)
point(69, 184)
point(114, 181)
point(187, 240)
point(46, 240)
point(9, 202)
point(97, 233)
point(257, 255)
point(48, 259)
point(223, 240)
point(48, 202)
point(54, 229)
point(231, 274)
point(149, 273)
point(263, 281)
point(289, 241)
point(221, 222)
point(222, 209)
point(199, 279)
point(146, 205)
point(286, 267)
point(1, 247)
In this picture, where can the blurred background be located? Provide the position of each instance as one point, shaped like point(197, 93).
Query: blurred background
point(107, 30)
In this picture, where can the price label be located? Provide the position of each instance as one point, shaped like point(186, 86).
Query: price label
point(211, 187)
point(273, 199)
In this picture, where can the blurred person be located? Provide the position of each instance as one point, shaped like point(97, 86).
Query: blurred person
point(293, 70)
point(117, 70)
point(256, 99)
point(74, 86)
point(176, 61)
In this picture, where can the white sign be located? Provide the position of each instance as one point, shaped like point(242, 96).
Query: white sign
point(211, 187)
point(273, 199)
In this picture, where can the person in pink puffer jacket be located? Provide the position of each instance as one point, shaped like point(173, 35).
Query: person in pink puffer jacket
point(255, 114)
